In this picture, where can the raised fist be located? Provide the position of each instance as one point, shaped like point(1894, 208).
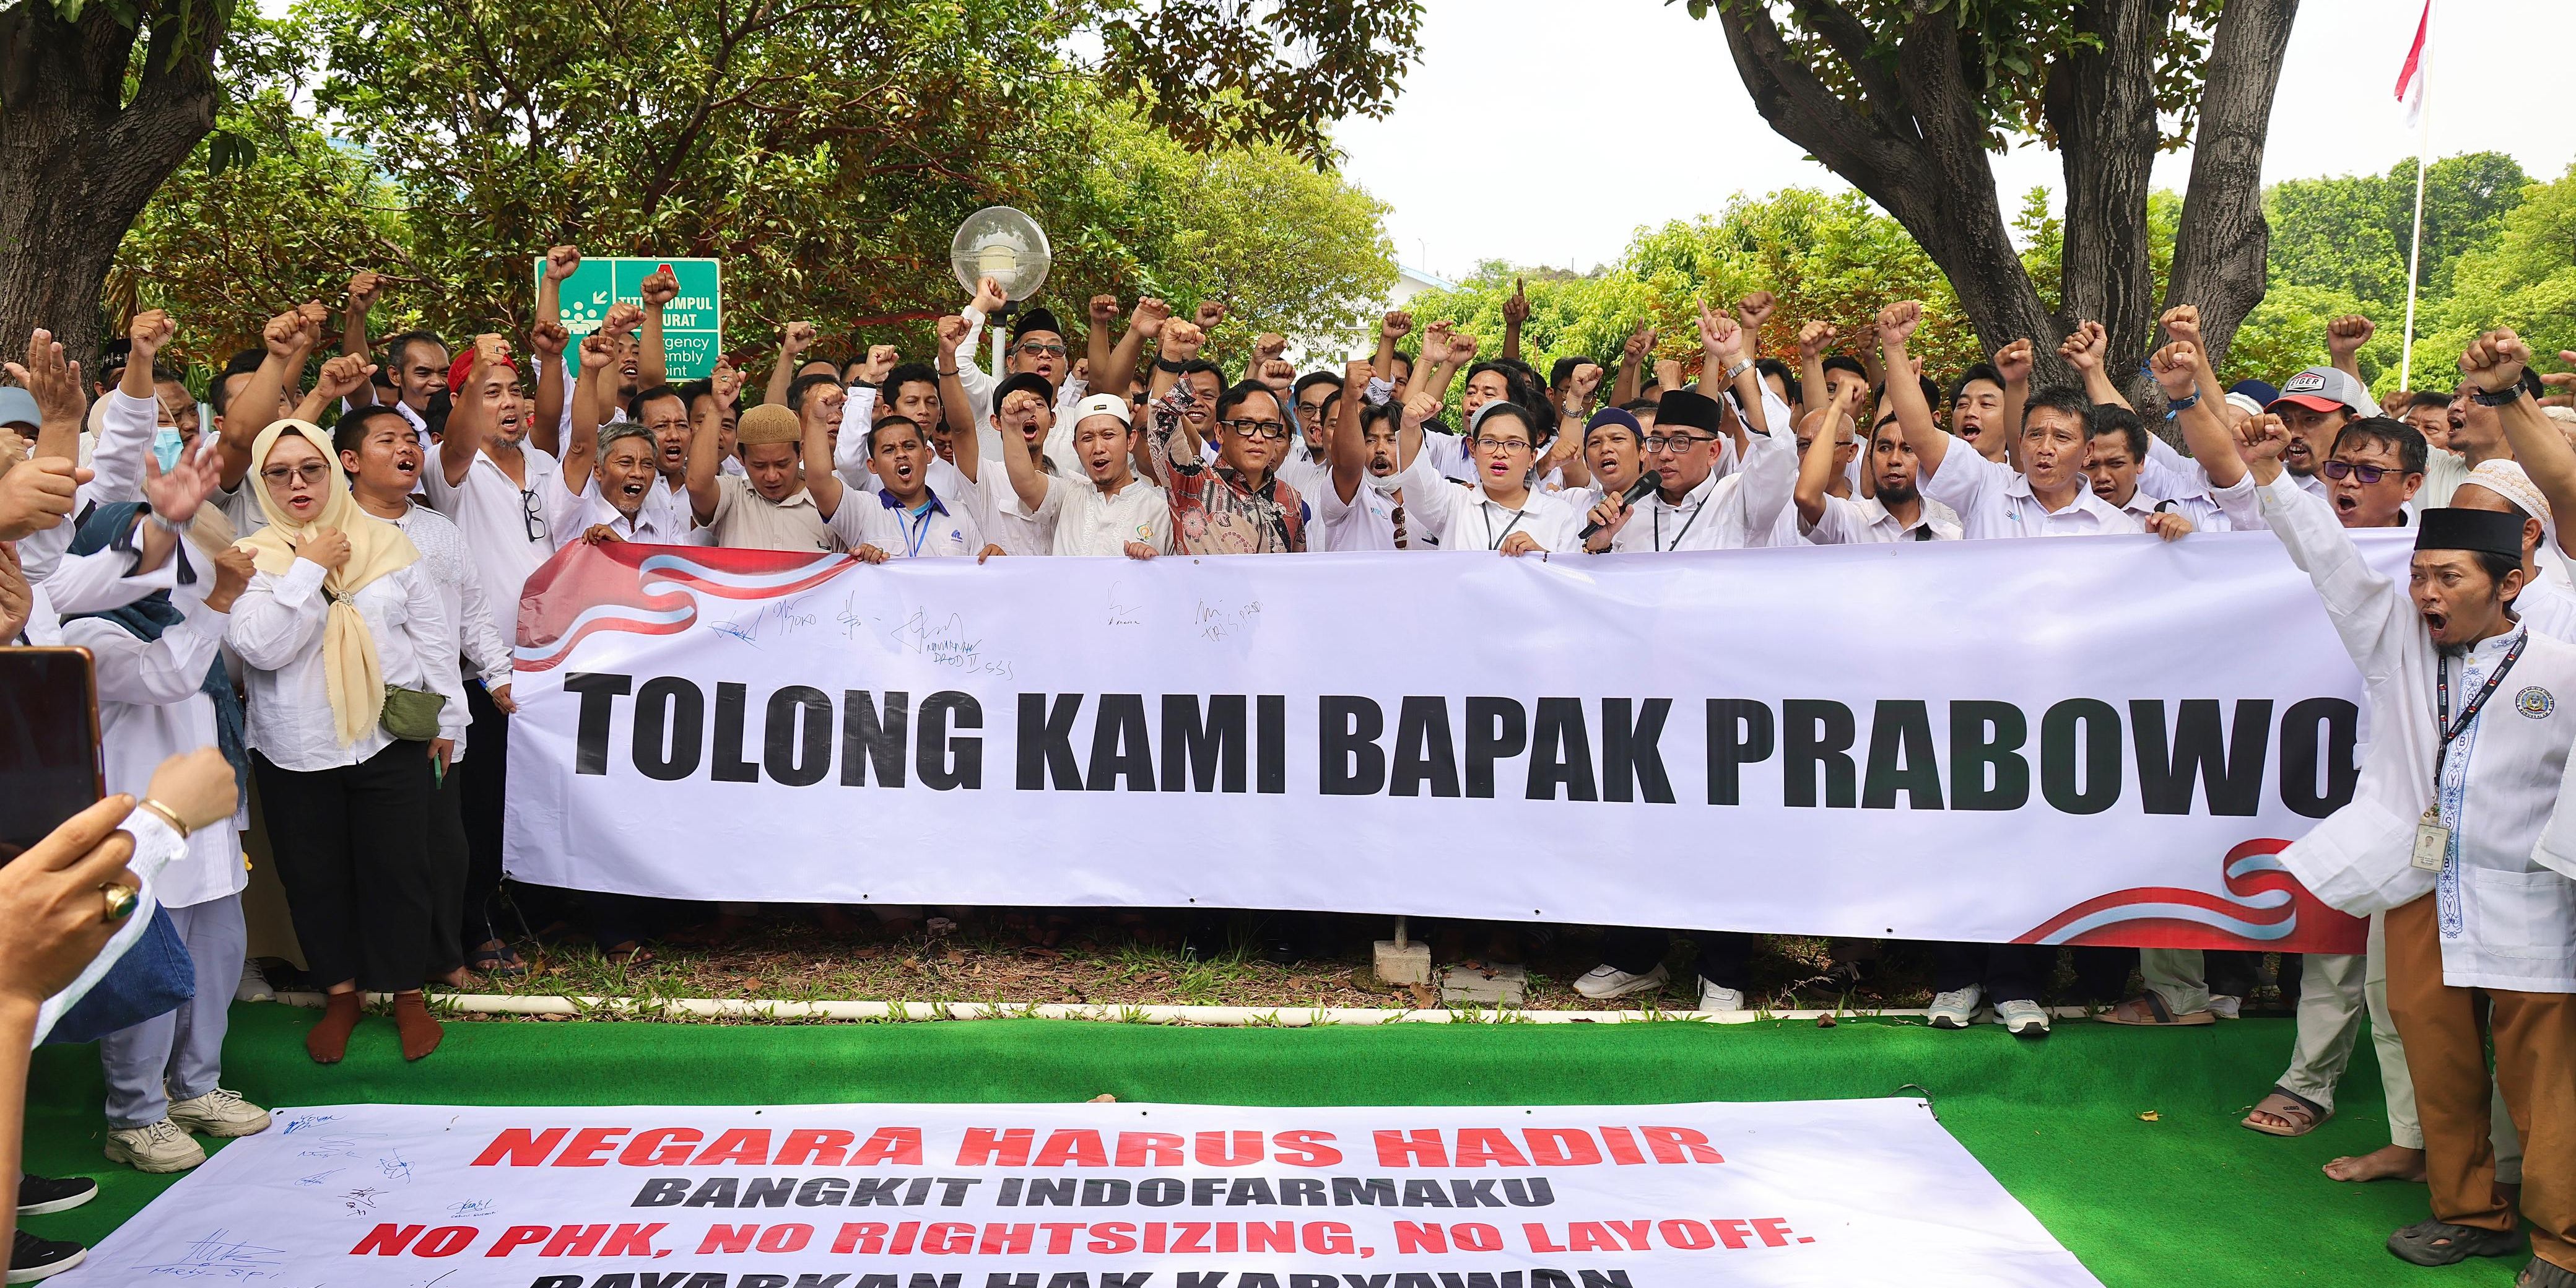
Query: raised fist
point(1104, 310)
point(2495, 360)
point(548, 339)
point(795, 337)
point(2182, 322)
point(2175, 366)
point(1814, 338)
point(2013, 362)
point(658, 289)
point(1755, 309)
point(2345, 335)
point(1896, 322)
point(2084, 346)
point(1150, 315)
point(561, 261)
point(1396, 325)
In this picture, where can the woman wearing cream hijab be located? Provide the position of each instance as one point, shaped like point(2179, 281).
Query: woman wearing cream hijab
point(340, 611)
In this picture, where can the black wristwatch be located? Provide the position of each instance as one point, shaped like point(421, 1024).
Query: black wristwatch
point(2505, 397)
point(1166, 364)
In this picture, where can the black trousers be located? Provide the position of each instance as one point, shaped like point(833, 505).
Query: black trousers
point(448, 865)
point(2022, 972)
point(484, 779)
point(1722, 953)
point(352, 847)
point(485, 774)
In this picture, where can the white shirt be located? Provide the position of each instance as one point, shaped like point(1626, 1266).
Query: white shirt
point(126, 427)
point(460, 592)
point(2549, 607)
point(1368, 520)
point(1007, 523)
point(979, 386)
point(277, 629)
point(2206, 515)
point(1994, 500)
point(1864, 520)
point(1090, 522)
point(1467, 520)
point(2505, 919)
point(1740, 510)
point(151, 706)
point(938, 530)
point(504, 525)
point(663, 519)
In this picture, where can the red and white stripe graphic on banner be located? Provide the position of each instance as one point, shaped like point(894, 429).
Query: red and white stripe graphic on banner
point(2094, 741)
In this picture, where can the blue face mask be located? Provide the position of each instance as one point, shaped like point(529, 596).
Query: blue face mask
point(165, 446)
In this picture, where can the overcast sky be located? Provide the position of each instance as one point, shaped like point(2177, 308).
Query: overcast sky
point(1645, 119)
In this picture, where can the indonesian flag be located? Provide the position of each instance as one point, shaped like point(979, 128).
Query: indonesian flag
point(2410, 79)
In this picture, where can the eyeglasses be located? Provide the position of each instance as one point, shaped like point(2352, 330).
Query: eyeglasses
point(1032, 348)
point(311, 473)
point(531, 519)
point(1269, 429)
point(1677, 442)
point(1493, 444)
point(1310, 411)
point(2368, 474)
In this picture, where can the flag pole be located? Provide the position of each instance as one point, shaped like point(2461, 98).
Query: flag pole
point(2423, 154)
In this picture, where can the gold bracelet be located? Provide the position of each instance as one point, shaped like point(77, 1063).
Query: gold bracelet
point(166, 815)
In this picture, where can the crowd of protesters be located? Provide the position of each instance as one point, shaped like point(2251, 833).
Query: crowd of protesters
point(317, 572)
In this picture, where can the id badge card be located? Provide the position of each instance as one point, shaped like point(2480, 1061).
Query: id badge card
point(2432, 842)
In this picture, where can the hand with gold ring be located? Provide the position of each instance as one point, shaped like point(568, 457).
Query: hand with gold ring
point(121, 899)
point(51, 900)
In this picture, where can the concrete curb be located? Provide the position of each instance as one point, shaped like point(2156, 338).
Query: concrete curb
point(1291, 1017)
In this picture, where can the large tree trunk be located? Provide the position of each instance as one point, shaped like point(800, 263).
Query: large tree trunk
point(2102, 105)
point(1920, 152)
point(2220, 250)
point(1915, 143)
point(78, 161)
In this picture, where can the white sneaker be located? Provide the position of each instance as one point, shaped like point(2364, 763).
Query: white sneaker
point(2225, 1007)
point(254, 985)
point(1605, 981)
point(1956, 1009)
point(2022, 1018)
point(219, 1113)
point(157, 1148)
point(1712, 998)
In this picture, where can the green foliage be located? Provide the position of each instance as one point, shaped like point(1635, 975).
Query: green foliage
point(2007, 46)
point(1826, 256)
point(2350, 233)
point(232, 239)
point(1218, 74)
point(2524, 278)
point(826, 160)
point(1287, 248)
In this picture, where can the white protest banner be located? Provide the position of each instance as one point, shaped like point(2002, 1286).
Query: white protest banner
point(2103, 740)
point(1091, 1196)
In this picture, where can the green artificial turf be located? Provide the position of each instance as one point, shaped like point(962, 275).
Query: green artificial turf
point(2187, 1199)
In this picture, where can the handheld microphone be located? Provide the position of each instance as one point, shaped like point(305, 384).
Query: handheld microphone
point(1645, 485)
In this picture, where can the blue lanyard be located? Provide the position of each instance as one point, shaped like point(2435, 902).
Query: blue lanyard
point(912, 536)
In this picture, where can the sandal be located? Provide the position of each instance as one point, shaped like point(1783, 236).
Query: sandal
point(2149, 1011)
point(2541, 1274)
point(2301, 1113)
point(503, 962)
point(631, 953)
point(2440, 1243)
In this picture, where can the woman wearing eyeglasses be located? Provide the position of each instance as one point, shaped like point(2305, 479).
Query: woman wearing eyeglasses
point(1501, 513)
point(355, 708)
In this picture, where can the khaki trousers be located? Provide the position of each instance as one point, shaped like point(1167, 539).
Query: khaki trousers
point(2445, 1031)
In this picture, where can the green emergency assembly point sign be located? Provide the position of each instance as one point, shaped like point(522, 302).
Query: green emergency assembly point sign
point(692, 323)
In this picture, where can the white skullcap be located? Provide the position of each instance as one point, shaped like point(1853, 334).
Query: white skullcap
point(1101, 405)
point(2507, 479)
